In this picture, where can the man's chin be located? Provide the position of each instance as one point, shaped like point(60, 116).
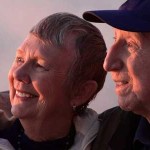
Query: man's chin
point(124, 105)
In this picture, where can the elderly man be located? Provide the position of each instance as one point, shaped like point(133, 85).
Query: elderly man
point(128, 60)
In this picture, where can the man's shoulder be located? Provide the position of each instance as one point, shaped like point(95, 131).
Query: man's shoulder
point(116, 125)
point(110, 111)
point(117, 112)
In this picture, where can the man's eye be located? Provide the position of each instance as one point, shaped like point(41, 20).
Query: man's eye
point(129, 45)
point(132, 47)
point(114, 38)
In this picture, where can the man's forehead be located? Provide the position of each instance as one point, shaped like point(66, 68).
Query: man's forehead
point(128, 34)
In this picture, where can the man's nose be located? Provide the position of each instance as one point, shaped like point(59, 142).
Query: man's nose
point(113, 60)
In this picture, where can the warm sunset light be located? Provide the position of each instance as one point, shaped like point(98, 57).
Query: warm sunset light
point(18, 16)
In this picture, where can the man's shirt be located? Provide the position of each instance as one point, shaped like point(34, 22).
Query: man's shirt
point(142, 136)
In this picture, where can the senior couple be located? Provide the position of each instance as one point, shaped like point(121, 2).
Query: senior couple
point(61, 66)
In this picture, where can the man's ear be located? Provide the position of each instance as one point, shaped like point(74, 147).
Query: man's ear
point(83, 93)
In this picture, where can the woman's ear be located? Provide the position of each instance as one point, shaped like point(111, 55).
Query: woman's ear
point(83, 93)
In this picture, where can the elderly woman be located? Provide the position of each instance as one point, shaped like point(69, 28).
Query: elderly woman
point(57, 71)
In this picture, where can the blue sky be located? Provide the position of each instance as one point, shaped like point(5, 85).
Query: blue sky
point(18, 16)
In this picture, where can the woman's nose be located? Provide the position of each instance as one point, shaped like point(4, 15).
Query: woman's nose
point(22, 74)
point(113, 61)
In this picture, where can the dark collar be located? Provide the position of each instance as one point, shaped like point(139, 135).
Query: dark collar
point(117, 130)
point(123, 136)
point(59, 144)
point(18, 139)
point(142, 135)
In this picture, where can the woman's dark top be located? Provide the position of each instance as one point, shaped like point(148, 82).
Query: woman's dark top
point(15, 135)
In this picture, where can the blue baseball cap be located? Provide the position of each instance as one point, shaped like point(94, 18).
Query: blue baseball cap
point(133, 15)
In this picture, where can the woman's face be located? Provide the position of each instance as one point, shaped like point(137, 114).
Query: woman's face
point(37, 80)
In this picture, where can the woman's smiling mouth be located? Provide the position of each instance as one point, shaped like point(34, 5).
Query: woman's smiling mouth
point(24, 94)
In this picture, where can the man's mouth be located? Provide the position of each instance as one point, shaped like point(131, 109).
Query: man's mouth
point(121, 83)
point(123, 88)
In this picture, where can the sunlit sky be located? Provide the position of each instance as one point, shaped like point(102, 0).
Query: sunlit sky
point(18, 16)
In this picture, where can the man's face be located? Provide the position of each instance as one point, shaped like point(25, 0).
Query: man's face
point(37, 80)
point(128, 60)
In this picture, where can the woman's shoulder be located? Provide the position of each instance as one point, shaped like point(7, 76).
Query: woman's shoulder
point(11, 132)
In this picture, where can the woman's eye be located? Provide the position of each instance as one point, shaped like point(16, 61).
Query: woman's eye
point(40, 67)
point(19, 60)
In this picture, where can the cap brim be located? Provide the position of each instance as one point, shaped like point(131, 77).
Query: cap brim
point(120, 19)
